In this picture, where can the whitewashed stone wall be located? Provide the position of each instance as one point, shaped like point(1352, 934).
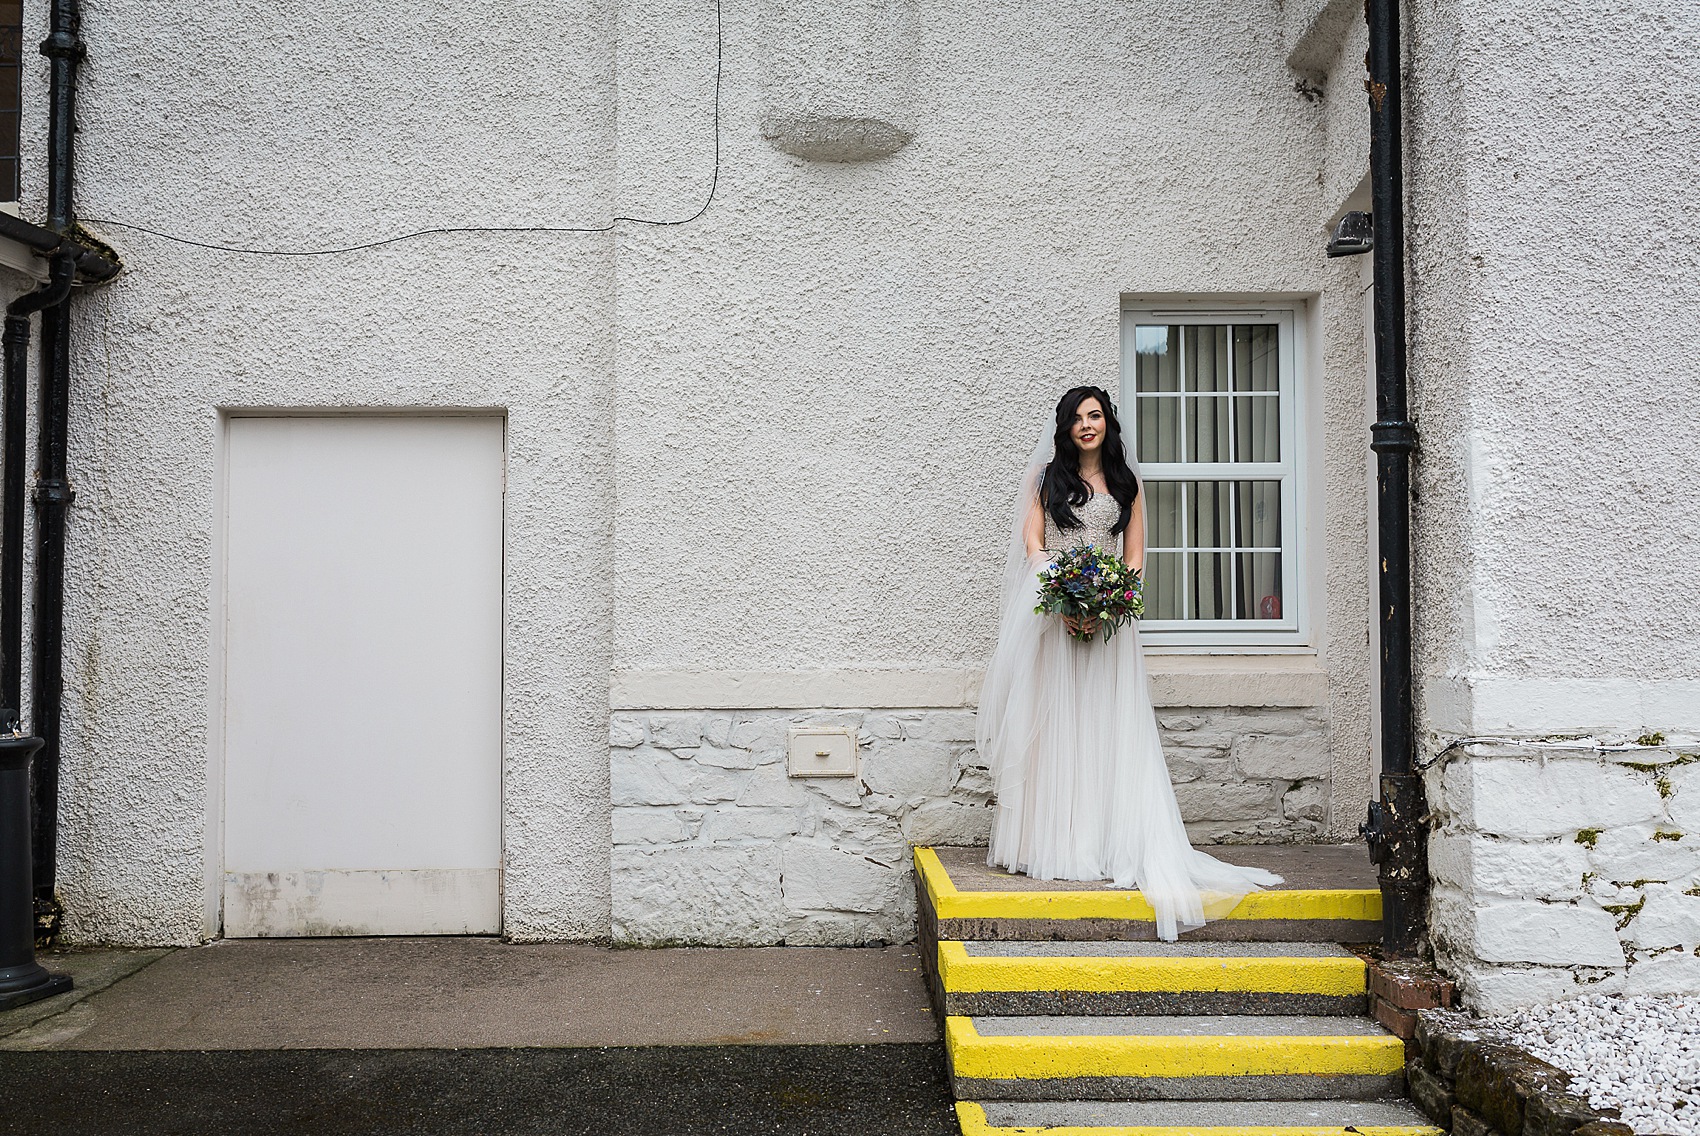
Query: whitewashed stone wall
point(714, 843)
point(1568, 868)
point(1248, 775)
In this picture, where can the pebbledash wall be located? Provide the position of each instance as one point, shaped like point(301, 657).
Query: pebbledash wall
point(835, 437)
point(1555, 516)
point(757, 462)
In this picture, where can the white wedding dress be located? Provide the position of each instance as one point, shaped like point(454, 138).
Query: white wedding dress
point(1083, 792)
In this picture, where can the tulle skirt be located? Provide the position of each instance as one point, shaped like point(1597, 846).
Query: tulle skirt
point(1083, 792)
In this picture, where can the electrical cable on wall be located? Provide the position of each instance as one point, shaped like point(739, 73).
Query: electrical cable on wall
point(713, 186)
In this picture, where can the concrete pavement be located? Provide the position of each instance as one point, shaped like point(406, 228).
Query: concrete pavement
point(465, 1035)
point(456, 993)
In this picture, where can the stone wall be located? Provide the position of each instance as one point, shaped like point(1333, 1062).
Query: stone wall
point(714, 843)
point(1565, 868)
point(1472, 1081)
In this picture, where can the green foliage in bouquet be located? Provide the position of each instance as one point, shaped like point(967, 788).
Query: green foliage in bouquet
point(1087, 583)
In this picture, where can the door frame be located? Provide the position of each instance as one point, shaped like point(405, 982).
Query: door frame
point(212, 921)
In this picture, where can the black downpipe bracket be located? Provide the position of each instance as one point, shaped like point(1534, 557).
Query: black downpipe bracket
point(1398, 838)
point(64, 50)
point(22, 979)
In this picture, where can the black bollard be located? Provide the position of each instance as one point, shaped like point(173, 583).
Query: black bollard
point(22, 979)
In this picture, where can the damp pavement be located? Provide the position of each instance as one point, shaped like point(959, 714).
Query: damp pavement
point(470, 1035)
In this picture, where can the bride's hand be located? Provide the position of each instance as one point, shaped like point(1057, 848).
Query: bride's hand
point(1086, 626)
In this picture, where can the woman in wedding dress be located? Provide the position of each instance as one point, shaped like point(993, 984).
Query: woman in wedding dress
point(1066, 724)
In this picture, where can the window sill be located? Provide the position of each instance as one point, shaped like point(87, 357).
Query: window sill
point(1176, 680)
point(1243, 678)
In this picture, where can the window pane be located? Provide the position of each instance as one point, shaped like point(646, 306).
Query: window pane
point(1209, 519)
point(1259, 585)
point(1155, 352)
point(1159, 428)
point(1207, 429)
point(1257, 428)
point(1164, 586)
point(1210, 591)
point(1206, 357)
point(1256, 363)
point(1259, 508)
point(1163, 513)
point(1207, 397)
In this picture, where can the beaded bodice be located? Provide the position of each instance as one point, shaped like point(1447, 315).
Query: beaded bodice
point(1097, 518)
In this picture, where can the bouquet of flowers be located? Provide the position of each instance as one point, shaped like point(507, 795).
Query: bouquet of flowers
point(1084, 584)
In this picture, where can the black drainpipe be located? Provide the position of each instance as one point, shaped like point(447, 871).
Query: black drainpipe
point(64, 50)
point(1397, 837)
point(22, 979)
point(61, 273)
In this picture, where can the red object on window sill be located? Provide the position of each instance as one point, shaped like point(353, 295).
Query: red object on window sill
point(1269, 607)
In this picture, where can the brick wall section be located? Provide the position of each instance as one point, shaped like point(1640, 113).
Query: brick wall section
point(1472, 1081)
point(714, 844)
point(1398, 990)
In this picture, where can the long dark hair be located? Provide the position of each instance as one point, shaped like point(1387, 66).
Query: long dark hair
point(1063, 489)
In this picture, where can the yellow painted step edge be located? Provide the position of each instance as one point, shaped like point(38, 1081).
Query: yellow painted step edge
point(1240, 1055)
point(1359, 904)
point(1294, 974)
point(972, 1120)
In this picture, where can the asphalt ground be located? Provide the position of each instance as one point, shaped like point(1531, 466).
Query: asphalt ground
point(785, 1090)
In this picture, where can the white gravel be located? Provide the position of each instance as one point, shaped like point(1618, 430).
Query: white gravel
point(1639, 1055)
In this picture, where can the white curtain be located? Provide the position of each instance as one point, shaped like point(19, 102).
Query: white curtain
point(1210, 393)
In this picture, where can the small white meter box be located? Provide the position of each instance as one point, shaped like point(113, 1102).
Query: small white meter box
point(822, 751)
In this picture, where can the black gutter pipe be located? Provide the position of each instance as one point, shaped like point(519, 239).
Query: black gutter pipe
point(64, 50)
point(1397, 837)
point(22, 979)
point(61, 274)
point(93, 266)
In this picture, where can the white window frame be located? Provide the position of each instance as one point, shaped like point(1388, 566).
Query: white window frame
point(1292, 628)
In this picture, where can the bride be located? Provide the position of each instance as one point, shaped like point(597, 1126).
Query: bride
point(1067, 724)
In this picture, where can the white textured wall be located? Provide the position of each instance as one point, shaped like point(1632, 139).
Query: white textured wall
point(829, 383)
point(290, 127)
point(1329, 55)
point(840, 366)
point(1555, 308)
point(777, 439)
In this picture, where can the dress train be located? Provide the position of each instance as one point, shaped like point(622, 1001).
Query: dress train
point(1083, 792)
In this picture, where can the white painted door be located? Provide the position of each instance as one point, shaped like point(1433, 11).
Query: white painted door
point(363, 676)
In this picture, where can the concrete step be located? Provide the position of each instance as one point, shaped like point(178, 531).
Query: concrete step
point(1016, 978)
point(1193, 1118)
point(962, 899)
point(1244, 1057)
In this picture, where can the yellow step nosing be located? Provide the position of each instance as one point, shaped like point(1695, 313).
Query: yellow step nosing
point(1168, 1055)
point(971, 1118)
point(933, 874)
point(960, 972)
point(949, 902)
point(1353, 905)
